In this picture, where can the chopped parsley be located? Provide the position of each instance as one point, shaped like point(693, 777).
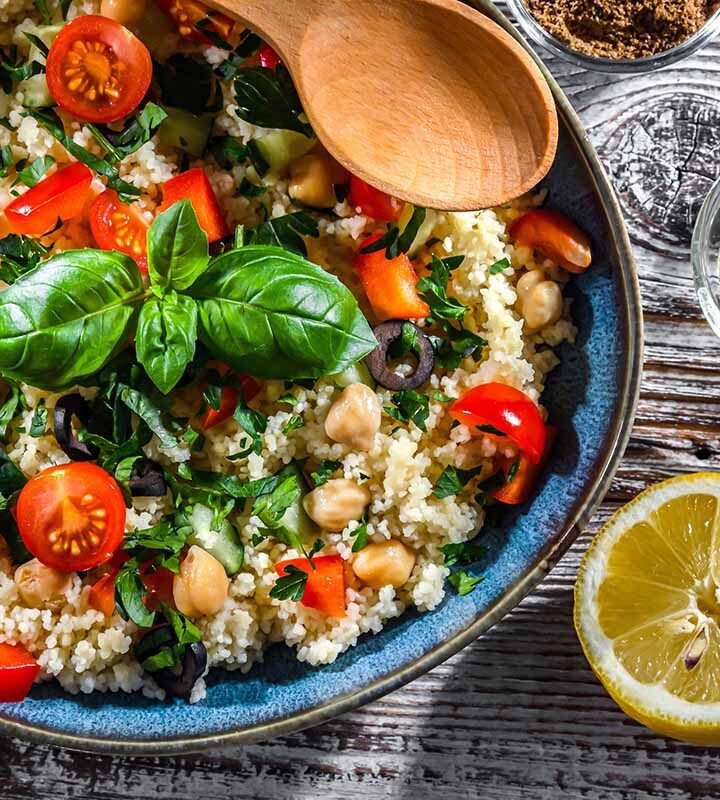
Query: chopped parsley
point(39, 420)
point(325, 471)
point(433, 290)
point(295, 422)
point(291, 585)
point(462, 553)
point(227, 151)
point(463, 582)
point(410, 406)
point(361, 537)
point(28, 174)
point(499, 266)
point(393, 241)
point(452, 481)
point(18, 255)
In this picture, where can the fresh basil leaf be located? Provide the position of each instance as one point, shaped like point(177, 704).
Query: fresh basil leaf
point(325, 470)
point(65, 321)
point(464, 583)
point(18, 255)
point(141, 405)
point(165, 342)
point(48, 119)
point(188, 83)
point(227, 151)
point(9, 408)
point(7, 160)
point(291, 585)
point(268, 98)
point(272, 314)
point(129, 594)
point(177, 248)
point(30, 174)
point(38, 426)
point(463, 553)
point(286, 232)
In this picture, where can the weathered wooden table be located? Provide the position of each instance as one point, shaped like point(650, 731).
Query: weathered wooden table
point(517, 714)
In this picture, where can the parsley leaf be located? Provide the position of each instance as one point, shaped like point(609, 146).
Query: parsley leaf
point(394, 242)
point(442, 398)
point(39, 420)
point(141, 405)
point(134, 134)
point(361, 537)
point(251, 190)
point(410, 406)
point(463, 553)
point(43, 10)
point(499, 266)
point(291, 585)
point(6, 160)
point(295, 422)
point(433, 290)
point(452, 481)
point(286, 232)
point(129, 594)
point(464, 583)
point(18, 255)
point(9, 408)
point(325, 471)
point(30, 174)
point(252, 422)
point(227, 151)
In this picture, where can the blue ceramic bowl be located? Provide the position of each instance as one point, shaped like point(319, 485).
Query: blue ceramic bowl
point(592, 398)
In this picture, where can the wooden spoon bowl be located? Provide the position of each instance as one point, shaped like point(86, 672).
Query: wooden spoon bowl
point(428, 100)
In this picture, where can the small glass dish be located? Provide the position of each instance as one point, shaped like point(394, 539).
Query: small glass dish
point(705, 257)
point(535, 32)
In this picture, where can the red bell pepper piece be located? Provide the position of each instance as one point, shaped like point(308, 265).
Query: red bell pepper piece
point(325, 587)
point(194, 186)
point(390, 284)
point(228, 401)
point(18, 670)
point(522, 484)
point(374, 203)
point(555, 236)
point(268, 57)
point(102, 594)
point(508, 410)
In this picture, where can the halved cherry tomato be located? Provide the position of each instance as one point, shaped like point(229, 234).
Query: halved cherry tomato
point(390, 284)
point(71, 517)
point(18, 670)
point(521, 486)
point(374, 203)
point(325, 587)
point(62, 195)
point(194, 186)
point(159, 583)
point(507, 409)
point(187, 13)
point(102, 594)
point(97, 70)
point(228, 401)
point(268, 57)
point(555, 236)
point(119, 226)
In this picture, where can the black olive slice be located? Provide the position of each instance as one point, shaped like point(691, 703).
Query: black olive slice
point(147, 479)
point(180, 683)
point(67, 407)
point(387, 333)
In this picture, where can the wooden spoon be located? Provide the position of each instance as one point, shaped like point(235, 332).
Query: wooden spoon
point(428, 100)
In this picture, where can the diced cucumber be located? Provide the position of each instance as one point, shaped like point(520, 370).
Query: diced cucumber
point(281, 148)
point(190, 132)
point(223, 544)
point(47, 34)
point(425, 230)
point(358, 373)
point(295, 518)
point(35, 92)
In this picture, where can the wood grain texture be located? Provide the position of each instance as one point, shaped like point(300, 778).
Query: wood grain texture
point(518, 714)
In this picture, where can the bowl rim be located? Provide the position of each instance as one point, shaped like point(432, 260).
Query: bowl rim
point(700, 255)
point(578, 517)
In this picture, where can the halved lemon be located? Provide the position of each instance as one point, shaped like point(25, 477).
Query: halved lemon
point(647, 607)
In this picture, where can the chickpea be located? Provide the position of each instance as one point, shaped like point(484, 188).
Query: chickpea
point(336, 503)
point(126, 12)
point(527, 283)
point(387, 563)
point(40, 586)
point(354, 418)
point(201, 586)
point(542, 305)
point(312, 178)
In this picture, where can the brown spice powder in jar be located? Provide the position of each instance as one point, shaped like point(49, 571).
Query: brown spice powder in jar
point(621, 28)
